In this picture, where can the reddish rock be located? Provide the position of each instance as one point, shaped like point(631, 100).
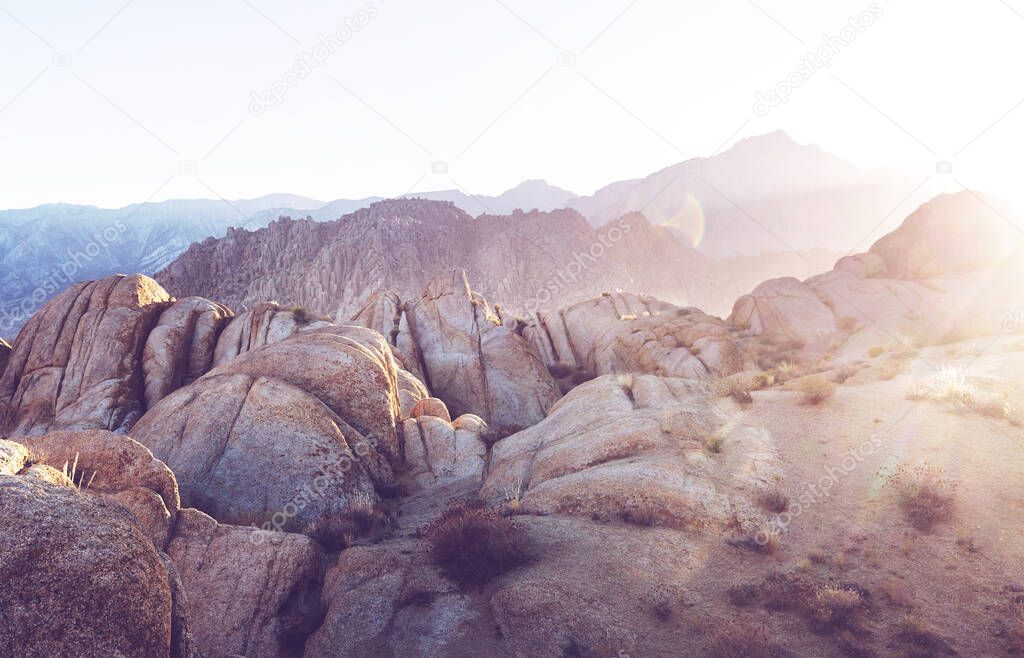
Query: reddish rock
point(77, 363)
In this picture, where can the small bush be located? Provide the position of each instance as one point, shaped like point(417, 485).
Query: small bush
point(642, 514)
point(743, 594)
point(736, 641)
point(815, 389)
point(926, 496)
point(774, 500)
point(363, 519)
point(474, 545)
point(914, 633)
point(663, 609)
point(714, 444)
point(833, 606)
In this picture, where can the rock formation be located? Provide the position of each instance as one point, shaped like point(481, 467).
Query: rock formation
point(303, 428)
point(466, 356)
point(5, 352)
point(180, 349)
point(77, 571)
point(528, 260)
point(635, 445)
point(77, 363)
point(627, 333)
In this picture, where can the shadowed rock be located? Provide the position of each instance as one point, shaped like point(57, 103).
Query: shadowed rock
point(180, 349)
point(79, 575)
point(251, 592)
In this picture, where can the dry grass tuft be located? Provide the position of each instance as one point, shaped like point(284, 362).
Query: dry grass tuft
point(815, 389)
point(926, 496)
point(474, 545)
point(76, 477)
point(735, 641)
point(952, 387)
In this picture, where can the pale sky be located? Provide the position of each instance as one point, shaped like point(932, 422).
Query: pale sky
point(108, 103)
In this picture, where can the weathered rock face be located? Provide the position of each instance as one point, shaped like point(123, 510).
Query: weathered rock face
point(334, 267)
point(472, 362)
point(78, 573)
point(623, 333)
point(618, 446)
point(251, 592)
point(248, 448)
point(180, 349)
point(77, 363)
point(372, 609)
point(266, 323)
point(439, 451)
point(117, 469)
point(785, 306)
point(297, 433)
point(5, 352)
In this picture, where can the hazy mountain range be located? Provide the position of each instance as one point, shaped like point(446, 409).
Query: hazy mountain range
point(766, 194)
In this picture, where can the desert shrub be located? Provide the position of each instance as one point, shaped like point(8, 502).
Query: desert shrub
point(663, 609)
point(786, 371)
point(743, 594)
point(827, 606)
point(642, 514)
point(924, 642)
point(833, 606)
point(473, 545)
point(364, 518)
point(76, 477)
point(765, 540)
point(815, 389)
point(560, 369)
point(304, 316)
point(926, 496)
point(952, 387)
point(734, 641)
point(739, 386)
point(774, 500)
point(714, 444)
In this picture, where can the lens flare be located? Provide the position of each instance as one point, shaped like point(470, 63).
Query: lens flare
point(689, 221)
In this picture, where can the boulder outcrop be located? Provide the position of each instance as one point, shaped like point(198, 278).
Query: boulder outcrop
point(180, 349)
point(77, 571)
point(77, 363)
point(251, 592)
point(626, 447)
point(117, 469)
point(439, 451)
point(627, 333)
point(5, 352)
point(466, 356)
